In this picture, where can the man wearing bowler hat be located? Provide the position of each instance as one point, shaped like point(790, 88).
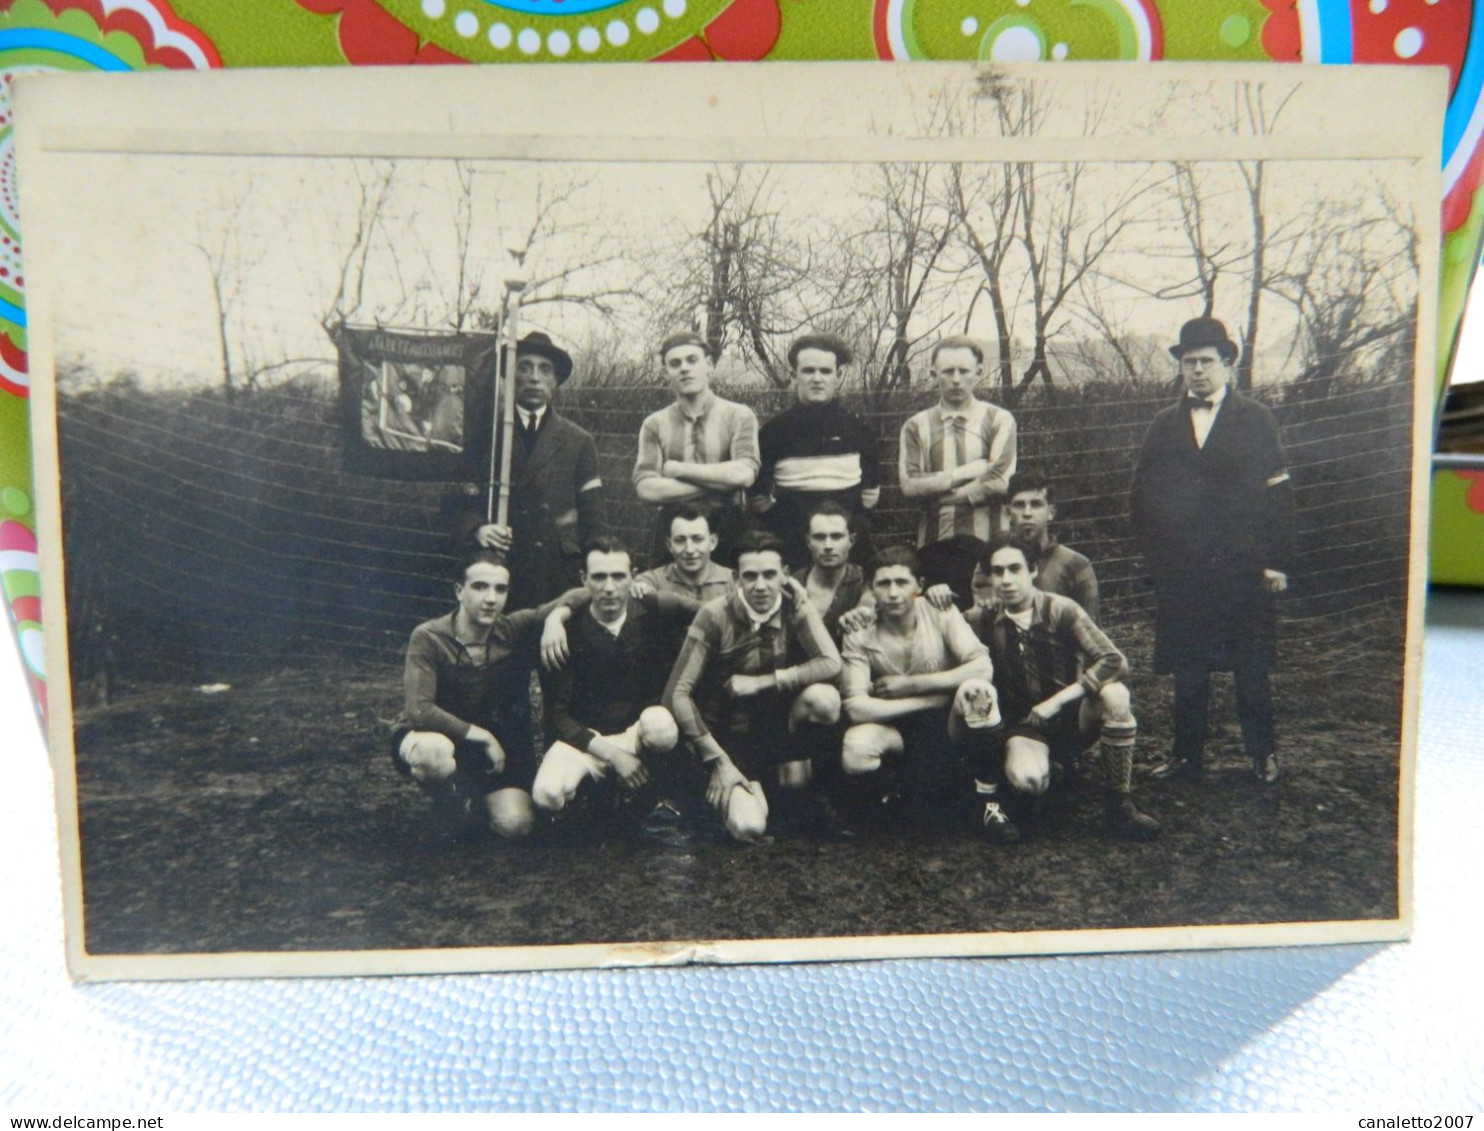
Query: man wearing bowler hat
point(556, 495)
point(1212, 507)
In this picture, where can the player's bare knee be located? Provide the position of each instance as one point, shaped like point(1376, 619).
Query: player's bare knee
point(547, 793)
point(818, 703)
point(430, 757)
point(563, 770)
point(861, 751)
point(1114, 699)
point(657, 730)
point(746, 820)
point(1029, 783)
point(1027, 767)
point(510, 813)
point(976, 704)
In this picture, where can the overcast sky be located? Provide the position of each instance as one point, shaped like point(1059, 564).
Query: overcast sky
point(134, 292)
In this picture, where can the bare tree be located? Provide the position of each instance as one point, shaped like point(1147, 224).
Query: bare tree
point(374, 181)
point(566, 258)
point(913, 229)
point(1210, 253)
point(1349, 281)
point(219, 239)
point(985, 209)
point(986, 202)
point(749, 276)
point(1066, 227)
point(1256, 110)
point(1094, 311)
point(452, 282)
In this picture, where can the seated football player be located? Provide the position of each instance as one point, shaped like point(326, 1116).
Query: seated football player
point(753, 694)
point(1060, 685)
point(464, 734)
point(918, 696)
point(605, 684)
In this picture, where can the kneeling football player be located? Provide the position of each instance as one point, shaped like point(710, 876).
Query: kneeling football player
point(464, 734)
point(604, 697)
point(917, 693)
point(753, 694)
point(1060, 682)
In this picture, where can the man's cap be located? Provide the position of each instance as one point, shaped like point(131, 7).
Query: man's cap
point(542, 346)
point(684, 338)
point(1200, 333)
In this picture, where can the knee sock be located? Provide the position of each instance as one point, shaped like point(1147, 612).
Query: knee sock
point(1118, 739)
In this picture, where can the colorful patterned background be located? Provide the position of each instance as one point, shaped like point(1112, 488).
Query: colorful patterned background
point(117, 35)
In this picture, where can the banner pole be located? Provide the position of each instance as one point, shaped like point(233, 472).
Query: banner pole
point(495, 402)
point(501, 510)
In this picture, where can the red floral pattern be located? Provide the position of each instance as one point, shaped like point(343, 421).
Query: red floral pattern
point(137, 28)
point(369, 35)
point(1474, 497)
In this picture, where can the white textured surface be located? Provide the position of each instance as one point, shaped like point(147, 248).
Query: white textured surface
point(1387, 1029)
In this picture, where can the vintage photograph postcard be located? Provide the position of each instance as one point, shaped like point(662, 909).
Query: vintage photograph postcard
point(710, 514)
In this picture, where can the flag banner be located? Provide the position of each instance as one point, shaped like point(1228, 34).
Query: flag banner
point(416, 405)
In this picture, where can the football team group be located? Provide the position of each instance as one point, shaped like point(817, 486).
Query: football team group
point(781, 668)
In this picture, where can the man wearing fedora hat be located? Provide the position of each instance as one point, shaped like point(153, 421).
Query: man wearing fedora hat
point(556, 495)
point(1212, 508)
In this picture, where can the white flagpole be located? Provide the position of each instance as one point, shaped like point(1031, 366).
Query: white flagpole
point(505, 421)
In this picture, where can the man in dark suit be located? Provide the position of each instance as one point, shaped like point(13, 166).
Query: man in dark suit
point(1212, 508)
point(556, 495)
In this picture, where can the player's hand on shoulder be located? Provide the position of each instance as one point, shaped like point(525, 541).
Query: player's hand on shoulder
point(1274, 581)
point(858, 619)
point(641, 590)
point(554, 650)
point(940, 597)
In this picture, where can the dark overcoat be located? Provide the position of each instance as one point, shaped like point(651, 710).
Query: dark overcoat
point(1209, 521)
point(556, 507)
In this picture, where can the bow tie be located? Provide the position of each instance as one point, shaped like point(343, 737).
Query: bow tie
point(1198, 402)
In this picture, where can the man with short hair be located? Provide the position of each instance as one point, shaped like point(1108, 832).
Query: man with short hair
point(753, 694)
point(834, 585)
point(918, 697)
point(556, 494)
point(1212, 505)
point(702, 448)
point(690, 572)
point(1048, 656)
point(815, 451)
point(957, 457)
point(604, 699)
point(1061, 569)
point(464, 733)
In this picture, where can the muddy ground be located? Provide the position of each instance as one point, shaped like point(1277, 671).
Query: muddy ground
point(267, 817)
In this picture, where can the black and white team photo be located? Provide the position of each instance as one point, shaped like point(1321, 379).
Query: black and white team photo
point(480, 553)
